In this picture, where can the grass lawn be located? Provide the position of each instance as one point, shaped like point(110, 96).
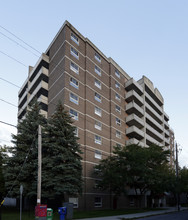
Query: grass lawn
point(13, 214)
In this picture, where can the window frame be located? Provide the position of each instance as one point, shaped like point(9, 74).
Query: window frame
point(73, 84)
point(118, 135)
point(74, 67)
point(98, 57)
point(99, 84)
point(117, 73)
point(97, 70)
point(98, 97)
point(98, 154)
point(116, 108)
point(99, 113)
point(75, 117)
point(98, 125)
point(118, 97)
point(117, 85)
point(74, 38)
point(76, 101)
point(98, 139)
point(118, 121)
point(72, 51)
point(97, 204)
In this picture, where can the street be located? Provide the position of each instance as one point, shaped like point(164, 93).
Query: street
point(183, 215)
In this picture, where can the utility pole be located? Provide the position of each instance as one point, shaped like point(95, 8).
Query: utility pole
point(21, 192)
point(39, 165)
point(177, 176)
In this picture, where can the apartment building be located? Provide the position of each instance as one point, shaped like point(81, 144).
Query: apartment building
point(109, 108)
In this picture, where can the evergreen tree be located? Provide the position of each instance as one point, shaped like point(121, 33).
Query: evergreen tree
point(22, 164)
point(2, 181)
point(62, 169)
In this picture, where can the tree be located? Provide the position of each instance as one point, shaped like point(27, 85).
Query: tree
point(62, 173)
point(2, 180)
point(21, 166)
point(140, 168)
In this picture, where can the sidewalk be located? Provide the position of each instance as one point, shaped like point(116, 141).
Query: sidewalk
point(137, 215)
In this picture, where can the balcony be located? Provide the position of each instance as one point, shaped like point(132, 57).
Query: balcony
point(42, 84)
point(166, 125)
point(152, 102)
point(133, 85)
point(158, 127)
point(167, 133)
point(134, 141)
point(152, 140)
point(167, 141)
point(133, 96)
point(132, 107)
point(153, 133)
point(134, 132)
point(134, 120)
point(154, 114)
point(166, 117)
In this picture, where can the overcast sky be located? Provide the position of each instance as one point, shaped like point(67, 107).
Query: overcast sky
point(145, 37)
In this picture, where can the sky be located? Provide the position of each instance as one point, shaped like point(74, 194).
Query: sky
point(145, 37)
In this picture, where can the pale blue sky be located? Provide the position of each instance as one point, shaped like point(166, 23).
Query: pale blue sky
point(145, 37)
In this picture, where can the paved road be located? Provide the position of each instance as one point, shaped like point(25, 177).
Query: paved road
point(183, 215)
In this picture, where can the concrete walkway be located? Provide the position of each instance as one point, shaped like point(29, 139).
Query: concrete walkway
point(137, 215)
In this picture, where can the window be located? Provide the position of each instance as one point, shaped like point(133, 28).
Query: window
point(117, 97)
point(97, 83)
point(117, 85)
point(117, 73)
point(74, 52)
point(73, 98)
point(74, 67)
point(98, 125)
point(76, 131)
point(98, 140)
point(98, 70)
point(98, 202)
point(98, 155)
point(98, 111)
point(74, 83)
point(118, 145)
point(97, 97)
point(74, 38)
point(74, 201)
point(97, 57)
point(74, 114)
point(118, 109)
point(118, 122)
point(97, 184)
point(118, 134)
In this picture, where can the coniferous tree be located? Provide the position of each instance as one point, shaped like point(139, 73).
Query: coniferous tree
point(22, 164)
point(2, 181)
point(62, 173)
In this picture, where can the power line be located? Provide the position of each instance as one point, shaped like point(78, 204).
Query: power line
point(8, 124)
point(18, 44)
point(13, 58)
point(10, 82)
point(20, 39)
point(8, 103)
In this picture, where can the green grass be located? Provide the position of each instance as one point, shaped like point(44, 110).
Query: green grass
point(13, 214)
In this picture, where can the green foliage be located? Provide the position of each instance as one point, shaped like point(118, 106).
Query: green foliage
point(61, 160)
point(21, 166)
point(183, 180)
point(61, 157)
point(140, 168)
point(2, 181)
